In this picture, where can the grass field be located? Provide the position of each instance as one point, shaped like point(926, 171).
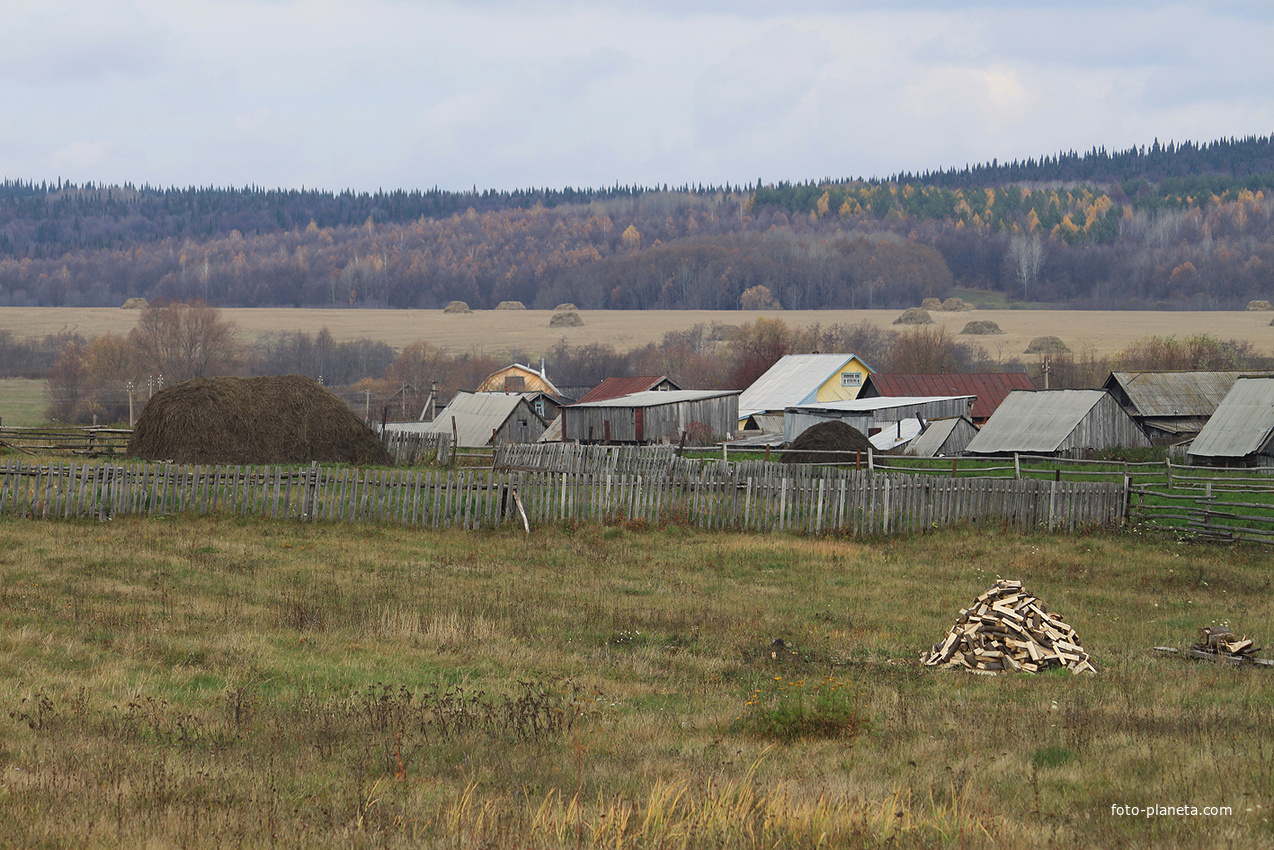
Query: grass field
point(207, 682)
point(499, 331)
point(23, 401)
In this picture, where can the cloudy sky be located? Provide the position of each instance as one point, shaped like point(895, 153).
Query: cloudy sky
point(337, 94)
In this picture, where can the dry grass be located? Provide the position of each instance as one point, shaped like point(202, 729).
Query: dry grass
point(23, 401)
point(206, 682)
point(497, 331)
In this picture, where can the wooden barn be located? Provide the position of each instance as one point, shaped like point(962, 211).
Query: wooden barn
point(651, 417)
point(1241, 431)
point(476, 419)
point(943, 438)
point(1063, 423)
point(619, 387)
point(516, 378)
point(1170, 406)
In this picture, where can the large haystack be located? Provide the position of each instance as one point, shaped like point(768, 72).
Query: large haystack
point(274, 419)
point(569, 319)
point(838, 440)
point(982, 327)
point(914, 316)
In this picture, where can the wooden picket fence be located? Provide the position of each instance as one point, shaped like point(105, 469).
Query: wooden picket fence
point(410, 448)
point(83, 440)
point(721, 496)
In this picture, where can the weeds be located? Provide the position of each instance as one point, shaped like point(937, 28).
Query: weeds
point(787, 711)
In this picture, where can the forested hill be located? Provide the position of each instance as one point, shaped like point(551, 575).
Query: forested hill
point(1177, 225)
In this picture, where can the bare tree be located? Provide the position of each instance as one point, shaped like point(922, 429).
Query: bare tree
point(1028, 253)
point(181, 341)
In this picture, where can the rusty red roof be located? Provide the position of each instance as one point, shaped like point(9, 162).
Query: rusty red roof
point(989, 387)
point(617, 387)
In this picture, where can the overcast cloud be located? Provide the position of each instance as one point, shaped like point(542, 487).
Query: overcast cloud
point(335, 94)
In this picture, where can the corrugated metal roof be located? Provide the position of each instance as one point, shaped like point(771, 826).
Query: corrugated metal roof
point(892, 409)
point(616, 387)
point(1173, 393)
point(1242, 422)
point(991, 388)
point(654, 398)
point(1030, 422)
point(794, 379)
point(932, 441)
point(477, 415)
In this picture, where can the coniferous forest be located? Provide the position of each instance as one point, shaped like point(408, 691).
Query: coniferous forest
point(1175, 226)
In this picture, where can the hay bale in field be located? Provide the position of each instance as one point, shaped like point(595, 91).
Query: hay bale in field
point(510, 305)
point(568, 319)
point(273, 419)
point(1260, 305)
point(931, 303)
point(982, 327)
point(1047, 345)
point(457, 307)
point(567, 307)
point(955, 305)
point(827, 442)
point(914, 316)
point(142, 304)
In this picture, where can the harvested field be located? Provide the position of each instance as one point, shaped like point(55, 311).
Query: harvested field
point(492, 331)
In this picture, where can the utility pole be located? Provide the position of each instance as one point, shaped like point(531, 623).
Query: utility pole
point(367, 407)
point(131, 419)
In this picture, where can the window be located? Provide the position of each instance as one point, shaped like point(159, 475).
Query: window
point(539, 407)
point(514, 383)
point(851, 379)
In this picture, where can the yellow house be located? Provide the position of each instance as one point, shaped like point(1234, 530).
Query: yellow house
point(803, 379)
point(518, 379)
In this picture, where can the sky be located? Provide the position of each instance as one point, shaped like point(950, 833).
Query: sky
point(502, 94)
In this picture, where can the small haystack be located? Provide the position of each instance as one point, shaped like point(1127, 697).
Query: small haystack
point(568, 319)
point(1260, 305)
point(914, 316)
point(274, 419)
point(982, 327)
point(510, 305)
point(956, 305)
point(565, 307)
point(931, 303)
point(135, 304)
point(1007, 628)
point(828, 442)
point(1047, 345)
point(457, 307)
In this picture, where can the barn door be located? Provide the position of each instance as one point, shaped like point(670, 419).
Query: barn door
point(641, 421)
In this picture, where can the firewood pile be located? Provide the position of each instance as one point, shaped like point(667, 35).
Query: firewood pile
point(1219, 640)
point(1007, 628)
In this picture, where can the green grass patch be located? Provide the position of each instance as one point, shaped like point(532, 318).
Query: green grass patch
point(23, 401)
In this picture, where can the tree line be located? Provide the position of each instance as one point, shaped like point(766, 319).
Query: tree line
point(1197, 240)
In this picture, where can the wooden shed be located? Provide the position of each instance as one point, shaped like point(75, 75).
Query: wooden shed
point(871, 415)
point(1065, 423)
point(1241, 431)
point(478, 418)
point(1171, 406)
point(943, 438)
point(988, 388)
point(651, 417)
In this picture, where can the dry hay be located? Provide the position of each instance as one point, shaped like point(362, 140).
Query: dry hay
point(568, 319)
point(142, 304)
point(931, 303)
point(273, 419)
point(982, 327)
point(566, 307)
point(510, 305)
point(828, 442)
point(1047, 345)
point(1007, 628)
point(1260, 305)
point(914, 316)
point(457, 307)
point(955, 305)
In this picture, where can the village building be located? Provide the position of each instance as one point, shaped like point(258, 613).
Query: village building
point(798, 379)
point(1062, 423)
point(942, 438)
point(886, 421)
point(478, 420)
point(653, 416)
point(1171, 406)
point(1241, 430)
point(989, 388)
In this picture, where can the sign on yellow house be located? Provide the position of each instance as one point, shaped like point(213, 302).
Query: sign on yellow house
point(804, 379)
